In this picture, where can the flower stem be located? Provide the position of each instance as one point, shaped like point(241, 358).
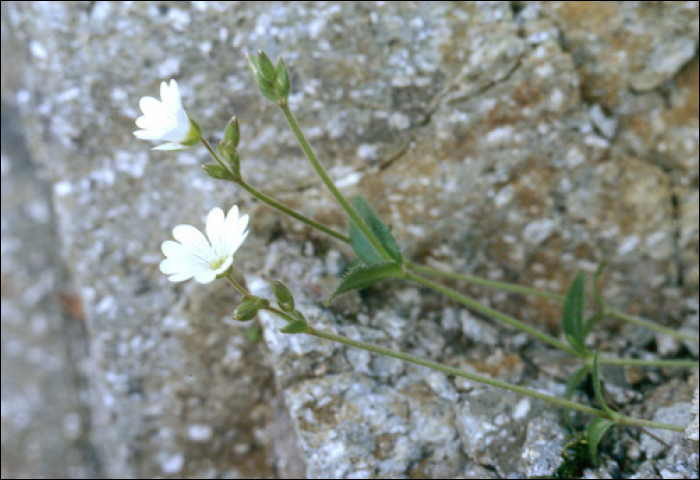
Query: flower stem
point(456, 372)
point(329, 183)
point(474, 305)
point(508, 287)
point(648, 363)
point(638, 422)
point(213, 153)
point(640, 322)
point(288, 211)
point(235, 284)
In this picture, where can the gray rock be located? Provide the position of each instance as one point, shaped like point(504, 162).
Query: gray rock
point(469, 126)
point(544, 442)
point(678, 414)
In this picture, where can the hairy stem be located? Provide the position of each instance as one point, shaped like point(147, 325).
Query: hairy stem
point(329, 183)
point(474, 305)
point(508, 287)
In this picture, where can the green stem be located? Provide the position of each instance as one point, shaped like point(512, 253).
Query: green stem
point(288, 211)
point(508, 287)
point(456, 372)
point(329, 183)
point(213, 153)
point(640, 322)
point(235, 284)
point(638, 422)
point(648, 363)
point(474, 305)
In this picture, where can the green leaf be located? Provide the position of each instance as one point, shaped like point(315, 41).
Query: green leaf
point(571, 384)
point(591, 322)
point(595, 432)
point(363, 276)
point(596, 290)
point(217, 171)
point(295, 327)
point(363, 247)
point(572, 319)
point(596, 384)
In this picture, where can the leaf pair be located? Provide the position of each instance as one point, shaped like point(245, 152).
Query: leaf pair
point(599, 425)
point(372, 266)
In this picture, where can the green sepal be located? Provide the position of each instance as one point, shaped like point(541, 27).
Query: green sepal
point(233, 132)
point(214, 170)
point(595, 372)
point(572, 317)
point(571, 385)
point(282, 83)
point(362, 246)
point(266, 68)
point(284, 297)
point(295, 327)
point(194, 135)
point(594, 433)
point(363, 276)
point(247, 310)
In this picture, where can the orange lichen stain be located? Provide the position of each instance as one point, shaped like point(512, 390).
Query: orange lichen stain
point(585, 14)
point(508, 363)
point(687, 111)
point(72, 305)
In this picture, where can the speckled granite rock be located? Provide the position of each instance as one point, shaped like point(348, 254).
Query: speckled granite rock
point(516, 140)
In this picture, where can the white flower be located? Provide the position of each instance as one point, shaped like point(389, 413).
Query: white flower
point(202, 258)
point(167, 120)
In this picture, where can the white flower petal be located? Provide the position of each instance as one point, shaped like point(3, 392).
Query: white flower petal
point(148, 134)
point(180, 277)
point(193, 239)
point(173, 249)
point(215, 230)
point(154, 123)
point(205, 276)
point(151, 107)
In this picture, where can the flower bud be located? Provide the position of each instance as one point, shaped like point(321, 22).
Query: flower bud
point(273, 81)
point(247, 310)
point(284, 297)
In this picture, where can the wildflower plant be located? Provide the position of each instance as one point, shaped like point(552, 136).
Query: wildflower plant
point(207, 257)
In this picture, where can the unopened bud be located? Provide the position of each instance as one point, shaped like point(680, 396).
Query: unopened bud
point(247, 310)
point(284, 297)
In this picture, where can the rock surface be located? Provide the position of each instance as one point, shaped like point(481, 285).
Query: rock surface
point(520, 141)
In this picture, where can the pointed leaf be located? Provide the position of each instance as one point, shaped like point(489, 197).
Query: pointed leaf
point(595, 432)
point(596, 290)
point(378, 228)
point(571, 384)
point(295, 327)
point(596, 384)
point(572, 319)
point(363, 276)
point(363, 247)
point(592, 322)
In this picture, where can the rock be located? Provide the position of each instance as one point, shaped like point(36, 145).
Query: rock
point(678, 414)
point(691, 432)
point(544, 442)
point(518, 141)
